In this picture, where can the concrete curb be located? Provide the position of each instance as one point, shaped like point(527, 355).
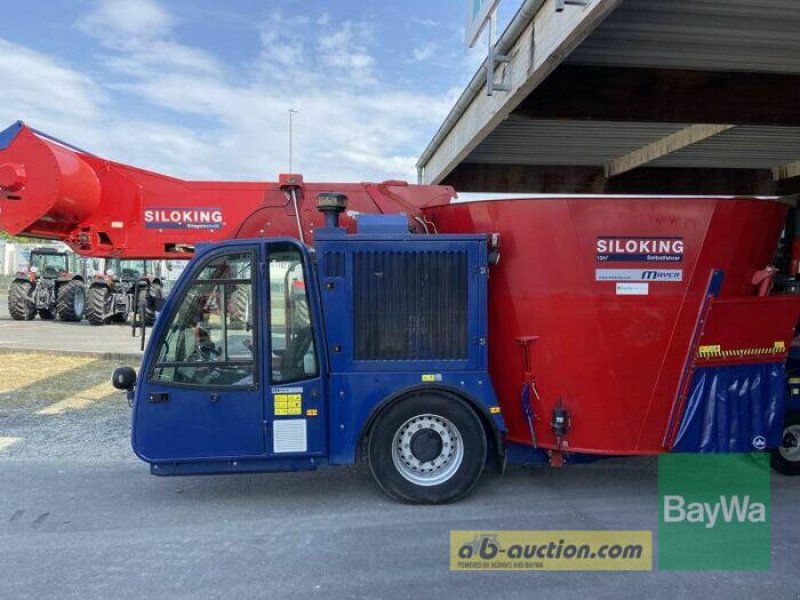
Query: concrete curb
point(77, 353)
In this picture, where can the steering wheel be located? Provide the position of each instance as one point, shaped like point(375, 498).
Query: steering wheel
point(205, 370)
point(292, 366)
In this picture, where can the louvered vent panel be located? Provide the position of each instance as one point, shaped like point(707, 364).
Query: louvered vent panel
point(410, 305)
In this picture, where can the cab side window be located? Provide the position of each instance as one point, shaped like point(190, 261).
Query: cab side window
point(294, 353)
point(210, 339)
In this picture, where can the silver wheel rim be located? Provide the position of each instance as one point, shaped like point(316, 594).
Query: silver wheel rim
point(78, 302)
point(790, 446)
point(433, 468)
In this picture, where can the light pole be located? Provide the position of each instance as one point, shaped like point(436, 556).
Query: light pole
point(291, 113)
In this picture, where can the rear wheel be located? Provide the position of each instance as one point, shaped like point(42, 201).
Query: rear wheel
point(786, 458)
point(19, 305)
point(146, 303)
point(427, 449)
point(98, 304)
point(71, 301)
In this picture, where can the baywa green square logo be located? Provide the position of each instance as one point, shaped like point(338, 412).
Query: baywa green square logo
point(715, 512)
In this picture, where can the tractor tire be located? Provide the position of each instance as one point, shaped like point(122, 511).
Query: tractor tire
point(19, 306)
point(146, 302)
point(429, 448)
point(786, 459)
point(98, 304)
point(47, 314)
point(71, 301)
point(238, 307)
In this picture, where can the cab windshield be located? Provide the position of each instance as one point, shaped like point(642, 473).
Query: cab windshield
point(131, 269)
point(49, 264)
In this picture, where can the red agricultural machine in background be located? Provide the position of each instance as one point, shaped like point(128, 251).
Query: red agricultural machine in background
point(52, 190)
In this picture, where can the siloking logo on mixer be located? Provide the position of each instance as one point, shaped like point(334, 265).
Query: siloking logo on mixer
point(183, 218)
point(639, 249)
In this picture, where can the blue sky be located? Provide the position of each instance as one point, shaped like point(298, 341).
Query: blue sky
point(201, 89)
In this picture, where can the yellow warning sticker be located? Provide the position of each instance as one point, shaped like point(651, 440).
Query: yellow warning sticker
point(431, 377)
point(288, 404)
point(716, 351)
point(312, 412)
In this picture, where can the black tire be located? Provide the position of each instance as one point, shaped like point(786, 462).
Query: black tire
point(19, 305)
point(47, 314)
point(427, 420)
point(71, 302)
point(786, 460)
point(147, 301)
point(238, 306)
point(98, 304)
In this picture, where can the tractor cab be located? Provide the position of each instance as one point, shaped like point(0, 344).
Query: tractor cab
point(273, 356)
point(49, 263)
point(130, 270)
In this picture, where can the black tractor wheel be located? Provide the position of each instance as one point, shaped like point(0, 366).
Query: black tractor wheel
point(19, 305)
point(238, 306)
point(429, 448)
point(71, 301)
point(148, 294)
point(98, 304)
point(786, 458)
point(47, 314)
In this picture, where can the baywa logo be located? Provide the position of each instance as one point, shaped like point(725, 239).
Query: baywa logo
point(715, 512)
point(730, 509)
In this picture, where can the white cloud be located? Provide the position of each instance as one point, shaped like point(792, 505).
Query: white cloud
point(41, 89)
point(119, 22)
point(353, 125)
point(425, 52)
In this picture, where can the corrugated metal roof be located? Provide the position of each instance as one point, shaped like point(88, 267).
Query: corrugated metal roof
point(740, 148)
point(718, 35)
point(538, 142)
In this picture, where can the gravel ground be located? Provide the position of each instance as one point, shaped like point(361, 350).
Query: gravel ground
point(73, 414)
point(81, 518)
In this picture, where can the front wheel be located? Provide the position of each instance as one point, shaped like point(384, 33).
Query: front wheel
point(98, 305)
point(429, 448)
point(71, 301)
point(786, 458)
point(146, 303)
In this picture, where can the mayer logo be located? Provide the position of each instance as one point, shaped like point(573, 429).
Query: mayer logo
point(638, 275)
point(183, 218)
point(639, 249)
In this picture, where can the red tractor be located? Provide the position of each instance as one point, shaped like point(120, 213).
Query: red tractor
point(125, 287)
point(48, 288)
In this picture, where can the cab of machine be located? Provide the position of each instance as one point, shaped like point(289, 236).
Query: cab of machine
point(272, 356)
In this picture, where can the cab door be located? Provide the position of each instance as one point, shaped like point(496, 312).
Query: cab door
point(201, 391)
point(295, 409)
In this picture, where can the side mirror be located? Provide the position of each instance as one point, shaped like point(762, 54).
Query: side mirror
point(123, 378)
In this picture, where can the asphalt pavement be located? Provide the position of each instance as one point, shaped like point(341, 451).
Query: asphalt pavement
point(81, 517)
point(112, 340)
